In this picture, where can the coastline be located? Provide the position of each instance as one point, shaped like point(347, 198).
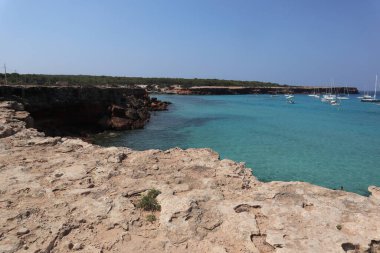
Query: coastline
point(79, 111)
point(241, 90)
point(58, 192)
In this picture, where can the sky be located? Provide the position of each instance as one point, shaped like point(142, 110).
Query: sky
point(296, 42)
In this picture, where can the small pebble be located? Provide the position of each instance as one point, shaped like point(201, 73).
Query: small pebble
point(58, 175)
point(82, 221)
point(126, 237)
point(23, 231)
point(78, 246)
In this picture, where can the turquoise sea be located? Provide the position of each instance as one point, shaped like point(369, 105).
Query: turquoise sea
point(308, 141)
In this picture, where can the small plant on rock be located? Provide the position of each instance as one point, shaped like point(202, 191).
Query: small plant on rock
point(149, 202)
point(151, 218)
point(339, 227)
point(153, 193)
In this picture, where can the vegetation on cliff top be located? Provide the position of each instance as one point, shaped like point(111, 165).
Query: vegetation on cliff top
point(41, 79)
point(149, 202)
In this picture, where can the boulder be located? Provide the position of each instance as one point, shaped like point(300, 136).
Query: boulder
point(375, 192)
point(131, 113)
point(118, 123)
point(117, 111)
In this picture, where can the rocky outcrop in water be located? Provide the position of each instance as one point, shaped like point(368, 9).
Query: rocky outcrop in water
point(65, 195)
point(77, 111)
point(157, 105)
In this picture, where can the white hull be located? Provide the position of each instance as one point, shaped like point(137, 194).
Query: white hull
point(329, 97)
point(371, 99)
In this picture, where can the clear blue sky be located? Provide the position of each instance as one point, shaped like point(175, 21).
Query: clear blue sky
point(285, 41)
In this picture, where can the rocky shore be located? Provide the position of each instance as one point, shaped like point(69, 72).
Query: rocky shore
point(62, 194)
point(236, 90)
point(78, 111)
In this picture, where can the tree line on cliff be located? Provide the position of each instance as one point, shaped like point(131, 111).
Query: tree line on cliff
point(41, 79)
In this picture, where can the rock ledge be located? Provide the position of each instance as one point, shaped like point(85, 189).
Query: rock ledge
point(63, 195)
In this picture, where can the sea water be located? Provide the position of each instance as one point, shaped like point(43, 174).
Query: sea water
point(331, 146)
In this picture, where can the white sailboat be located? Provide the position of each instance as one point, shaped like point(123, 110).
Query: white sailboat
point(345, 95)
point(366, 94)
point(371, 99)
point(328, 97)
point(287, 96)
point(317, 93)
point(334, 102)
point(312, 94)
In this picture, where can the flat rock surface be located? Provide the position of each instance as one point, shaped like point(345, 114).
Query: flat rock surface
point(65, 195)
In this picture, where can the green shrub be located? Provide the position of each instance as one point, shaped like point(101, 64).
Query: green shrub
point(153, 193)
point(149, 202)
point(339, 227)
point(151, 218)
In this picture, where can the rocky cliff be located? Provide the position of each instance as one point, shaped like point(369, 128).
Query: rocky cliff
point(64, 195)
point(235, 90)
point(71, 110)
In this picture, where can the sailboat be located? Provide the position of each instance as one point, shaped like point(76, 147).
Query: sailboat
point(368, 98)
point(275, 94)
point(312, 94)
point(317, 94)
point(289, 96)
point(329, 96)
point(345, 95)
point(334, 102)
point(365, 95)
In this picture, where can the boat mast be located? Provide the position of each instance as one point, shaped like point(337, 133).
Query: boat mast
point(374, 95)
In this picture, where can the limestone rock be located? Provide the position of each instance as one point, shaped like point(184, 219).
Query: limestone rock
point(375, 192)
point(64, 194)
point(23, 231)
point(77, 111)
point(78, 246)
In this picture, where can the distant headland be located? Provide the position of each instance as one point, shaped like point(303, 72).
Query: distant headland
point(180, 86)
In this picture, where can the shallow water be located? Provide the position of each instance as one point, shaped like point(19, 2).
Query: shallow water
point(307, 141)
